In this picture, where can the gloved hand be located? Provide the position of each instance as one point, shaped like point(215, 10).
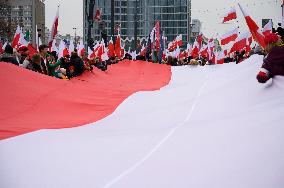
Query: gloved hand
point(263, 76)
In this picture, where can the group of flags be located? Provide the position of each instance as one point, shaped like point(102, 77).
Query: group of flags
point(156, 44)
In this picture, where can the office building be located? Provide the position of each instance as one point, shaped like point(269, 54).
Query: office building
point(26, 13)
point(138, 17)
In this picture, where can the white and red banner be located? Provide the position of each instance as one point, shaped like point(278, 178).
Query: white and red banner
point(221, 57)
point(254, 29)
point(54, 28)
point(141, 125)
point(231, 15)
point(16, 37)
point(241, 42)
point(81, 48)
point(229, 36)
point(176, 43)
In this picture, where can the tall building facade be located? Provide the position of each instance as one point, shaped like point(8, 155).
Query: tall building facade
point(138, 17)
point(27, 14)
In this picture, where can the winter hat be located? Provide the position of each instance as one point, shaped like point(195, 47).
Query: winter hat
point(9, 49)
point(271, 38)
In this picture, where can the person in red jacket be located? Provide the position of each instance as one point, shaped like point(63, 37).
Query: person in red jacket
point(273, 63)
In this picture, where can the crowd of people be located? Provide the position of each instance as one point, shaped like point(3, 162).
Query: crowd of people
point(73, 65)
point(48, 63)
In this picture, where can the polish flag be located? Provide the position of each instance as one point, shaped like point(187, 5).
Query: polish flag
point(54, 47)
point(195, 49)
point(240, 42)
point(213, 58)
point(101, 50)
point(32, 50)
point(16, 37)
point(231, 15)
point(174, 44)
point(157, 28)
point(81, 48)
point(111, 52)
point(54, 28)
point(204, 51)
point(61, 49)
point(143, 51)
point(229, 37)
point(96, 48)
point(267, 29)
point(118, 52)
point(221, 57)
point(199, 39)
point(254, 29)
point(91, 54)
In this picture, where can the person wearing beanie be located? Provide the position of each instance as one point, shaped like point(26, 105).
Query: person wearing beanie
point(8, 56)
point(273, 63)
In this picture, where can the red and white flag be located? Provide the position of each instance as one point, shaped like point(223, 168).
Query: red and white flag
point(16, 37)
point(54, 29)
point(229, 36)
point(221, 57)
point(267, 28)
point(91, 54)
point(254, 29)
point(195, 49)
point(61, 50)
point(240, 42)
point(231, 15)
point(157, 30)
point(204, 51)
point(118, 52)
point(200, 39)
point(111, 52)
point(81, 48)
point(174, 44)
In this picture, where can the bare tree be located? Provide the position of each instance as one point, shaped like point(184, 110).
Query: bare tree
point(7, 26)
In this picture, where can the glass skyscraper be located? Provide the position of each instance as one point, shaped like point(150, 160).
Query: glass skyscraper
point(174, 16)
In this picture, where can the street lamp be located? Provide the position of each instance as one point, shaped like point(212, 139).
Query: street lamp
point(75, 39)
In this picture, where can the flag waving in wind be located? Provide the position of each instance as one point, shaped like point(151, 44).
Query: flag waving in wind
point(231, 15)
point(254, 29)
point(229, 37)
point(54, 28)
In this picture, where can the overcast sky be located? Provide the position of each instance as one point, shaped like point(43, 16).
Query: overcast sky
point(208, 12)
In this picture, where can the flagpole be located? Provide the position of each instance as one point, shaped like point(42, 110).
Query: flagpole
point(282, 24)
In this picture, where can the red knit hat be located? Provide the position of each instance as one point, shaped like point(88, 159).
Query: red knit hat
point(271, 38)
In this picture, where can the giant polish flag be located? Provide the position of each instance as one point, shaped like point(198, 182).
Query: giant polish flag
point(142, 125)
point(229, 36)
point(254, 29)
point(231, 15)
point(54, 28)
